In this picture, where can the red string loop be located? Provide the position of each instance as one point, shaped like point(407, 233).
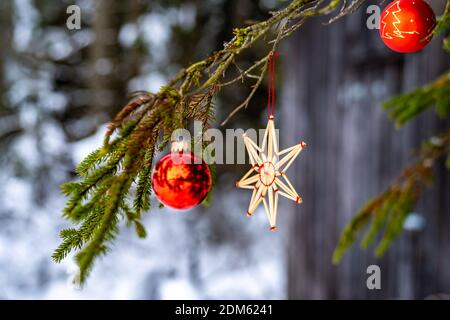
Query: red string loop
point(271, 85)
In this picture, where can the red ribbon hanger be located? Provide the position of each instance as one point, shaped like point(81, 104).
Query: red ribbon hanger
point(271, 85)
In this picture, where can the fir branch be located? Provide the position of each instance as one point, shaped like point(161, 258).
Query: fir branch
point(79, 191)
point(443, 25)
point(106, 231)
point(83, 209)
point(89, 162)
point(389, 210)
point(71, 240)
point(133, 219)
point(406, 106)
point(143, 188)
point(124, 162)
point(140, 99)
point(74, 239)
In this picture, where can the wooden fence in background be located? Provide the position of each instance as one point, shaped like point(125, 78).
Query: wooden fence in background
point(335, 78)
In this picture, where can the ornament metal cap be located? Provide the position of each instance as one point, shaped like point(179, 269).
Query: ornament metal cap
point(180, 146)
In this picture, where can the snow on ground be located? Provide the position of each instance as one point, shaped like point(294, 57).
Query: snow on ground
point(176, 261)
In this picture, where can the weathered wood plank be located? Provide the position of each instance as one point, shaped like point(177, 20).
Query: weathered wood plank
point(335, 80)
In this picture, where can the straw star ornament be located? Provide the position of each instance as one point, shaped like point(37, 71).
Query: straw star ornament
point(267, 177)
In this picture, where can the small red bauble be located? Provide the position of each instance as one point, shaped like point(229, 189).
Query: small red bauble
point(406, 25)
point(181, 180)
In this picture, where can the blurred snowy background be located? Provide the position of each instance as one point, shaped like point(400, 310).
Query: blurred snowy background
point(58, 89)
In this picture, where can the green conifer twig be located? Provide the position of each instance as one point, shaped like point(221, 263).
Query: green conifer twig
point(124, 163)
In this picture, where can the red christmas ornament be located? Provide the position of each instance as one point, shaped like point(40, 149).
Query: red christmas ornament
point(407, 25)
point(181, 180)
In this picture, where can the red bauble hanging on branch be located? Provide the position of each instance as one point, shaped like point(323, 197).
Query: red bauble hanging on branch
point(181, 180)
point(407, 25)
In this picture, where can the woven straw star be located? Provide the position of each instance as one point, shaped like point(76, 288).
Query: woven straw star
point(267, 177)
